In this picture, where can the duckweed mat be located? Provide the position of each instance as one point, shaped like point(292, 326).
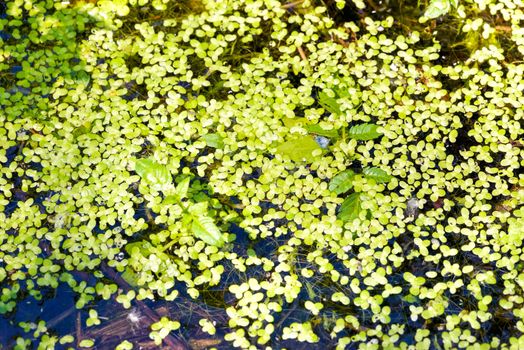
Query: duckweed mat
point(261, 174)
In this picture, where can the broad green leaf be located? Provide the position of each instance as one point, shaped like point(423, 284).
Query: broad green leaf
point(350, 208)
point(299, 149)
point(214, 140)
point(318, 130)
point(410, 298)
point(182, 188)
point(186, 220)
point(363, 132)
point(198, 209)
point(454, 3)
point(342, 182)
point(152, 172)
point(437, 8)
point(377, 174)
point(205, 229)
point(330, 104)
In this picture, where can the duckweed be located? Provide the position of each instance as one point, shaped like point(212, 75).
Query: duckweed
point(178, 142)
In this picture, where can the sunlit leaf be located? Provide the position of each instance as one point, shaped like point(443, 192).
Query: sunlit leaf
point(152, 172)
point(318, 130)
point(350, 208)
point(198, 209)
point(300, 149)
point(364, 132)
point(292, 122)
point(377, 174)
point(182, 188)
point(173, 199)
point(330, 104)
point(205, 229)
point(214, 140)
point(342, 182)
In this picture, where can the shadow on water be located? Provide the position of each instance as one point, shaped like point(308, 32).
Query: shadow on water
point(38, 49)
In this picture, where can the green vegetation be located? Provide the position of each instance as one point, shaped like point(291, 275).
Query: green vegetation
point(316, 171)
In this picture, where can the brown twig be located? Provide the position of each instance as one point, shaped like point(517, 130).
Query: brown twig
point(59, 318)
point(302, 53)
point(374, 6)
point(79, 335)
point(171, 341)
point(503, 28)
point(292, 4)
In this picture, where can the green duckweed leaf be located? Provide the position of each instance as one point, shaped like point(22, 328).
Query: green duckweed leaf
point(299, 149)
point(330, 104)
point(83, 129)
point(350, 208)
point(342, 182)
point(292, 122)
point(377, 174)
point(152, 172)
point(214, 140)
point(410, 298)
point(363, 132)
point(205, 229)
point(140, 247)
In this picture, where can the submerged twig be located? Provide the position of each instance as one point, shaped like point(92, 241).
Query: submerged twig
point(302, 53)
point(292, 4)
point(173, 342)
point(59, 318)
point(78, 328)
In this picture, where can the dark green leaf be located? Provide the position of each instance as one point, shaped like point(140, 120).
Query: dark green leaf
point(300, 149)
point(205, 229)
point(377, 174)
point(152, 172)
point(350, 208)
point(342, 182)
point(364, 132)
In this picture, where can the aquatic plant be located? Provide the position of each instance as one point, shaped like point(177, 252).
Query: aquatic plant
point(335, 181)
